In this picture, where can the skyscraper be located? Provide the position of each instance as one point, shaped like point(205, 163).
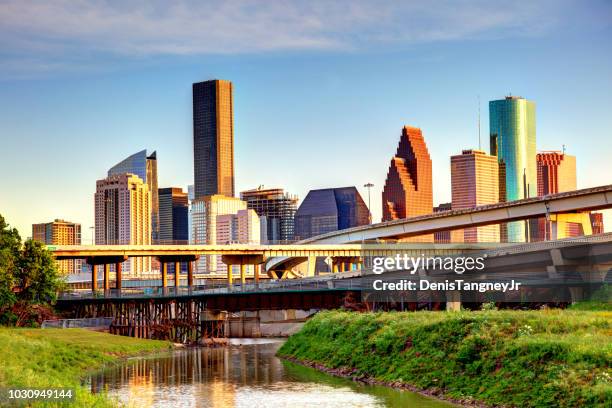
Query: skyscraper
point(123, 216)
point(512, 125)
point(173, 216)
point(204, 212)
point(556, 173)
point(60, 232)
point(145, 167)
point(474, 182)
point(408, 187)
point(279, 209)
point(330, 209)
point(213, 138)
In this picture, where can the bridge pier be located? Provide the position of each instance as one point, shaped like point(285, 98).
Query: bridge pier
point(106, 262)
point(243, 261)
point(164, 260)
point(118, 275)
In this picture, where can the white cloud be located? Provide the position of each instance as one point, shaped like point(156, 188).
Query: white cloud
point(66, 30)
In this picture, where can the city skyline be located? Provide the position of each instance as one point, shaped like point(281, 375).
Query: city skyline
point(433, 83)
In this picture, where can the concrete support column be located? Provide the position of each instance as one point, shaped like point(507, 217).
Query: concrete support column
point(106, 273)
point(334, 267)
point(118, 274)
point(453, 301)
point(177, 274)
point(242, 274)
point(577, 293)
point(94, 278)
point(257, 271)
point(230, 278)
point(190, 273)
point(164, 272)
point(342, 266)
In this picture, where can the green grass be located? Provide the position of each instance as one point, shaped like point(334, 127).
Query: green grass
point(549, 358)
point(39, 358)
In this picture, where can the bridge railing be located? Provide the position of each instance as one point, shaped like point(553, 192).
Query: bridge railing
point(77, 323)
point(292, 285)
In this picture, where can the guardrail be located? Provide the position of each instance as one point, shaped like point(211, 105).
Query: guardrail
point(77, 323)
point(293, 285)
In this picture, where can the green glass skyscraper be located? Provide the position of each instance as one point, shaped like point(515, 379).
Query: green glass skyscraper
point(512, 123)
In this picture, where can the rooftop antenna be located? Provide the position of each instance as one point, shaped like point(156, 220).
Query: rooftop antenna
point(479, 144)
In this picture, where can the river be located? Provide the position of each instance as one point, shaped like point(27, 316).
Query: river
point(244, 374)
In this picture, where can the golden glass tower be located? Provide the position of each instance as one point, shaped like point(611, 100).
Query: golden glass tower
point(213, 138)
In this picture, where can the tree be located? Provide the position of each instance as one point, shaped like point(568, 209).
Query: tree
point(29, 279)
point(38, 279)
point(10, 244)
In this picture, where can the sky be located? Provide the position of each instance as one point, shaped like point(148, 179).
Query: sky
point(321, 90)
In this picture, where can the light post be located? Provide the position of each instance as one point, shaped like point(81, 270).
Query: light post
point(369, 186)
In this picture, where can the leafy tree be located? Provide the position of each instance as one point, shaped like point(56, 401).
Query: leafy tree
point(29, 278)
point(38, 278)
point(10, 244)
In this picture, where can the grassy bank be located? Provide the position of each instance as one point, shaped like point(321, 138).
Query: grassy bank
point(549, 358)
point(38, 358)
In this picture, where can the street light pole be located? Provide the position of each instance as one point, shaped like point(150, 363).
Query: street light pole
point(369, 186)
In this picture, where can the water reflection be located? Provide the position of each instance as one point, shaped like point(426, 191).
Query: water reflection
point(239, 375)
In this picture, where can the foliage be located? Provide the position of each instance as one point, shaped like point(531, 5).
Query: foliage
point(508, 358)
point(47, 358)
point(29, 278)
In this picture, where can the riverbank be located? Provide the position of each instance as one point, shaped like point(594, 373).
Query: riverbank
point(43, 358)
point(497, 358)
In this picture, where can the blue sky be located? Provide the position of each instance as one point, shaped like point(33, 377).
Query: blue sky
point(322, 89)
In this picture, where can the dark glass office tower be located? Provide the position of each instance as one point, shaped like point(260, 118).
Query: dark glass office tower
point(213, 138)
point(173, 213)
point(328, 210)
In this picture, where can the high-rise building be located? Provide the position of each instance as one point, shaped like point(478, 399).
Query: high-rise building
point(474, 182)
point(145, 167)
point(279, 209)
point(442, 237)
point(408, 187)
point(190, 198)
point(204, 212)
point(512, 126)
point(330, 209)
point(60, 232)
point(213, 138)
point(123, 216)
point(556, 173)
point(240, 228)
point(173, 216)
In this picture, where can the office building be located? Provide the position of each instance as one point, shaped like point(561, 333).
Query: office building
point(278, 207)
point(442, 237)
point(213, 138)
point(190, 197)
point(556, 173)
point(60, 232)
point(474, 182)
point(240, 228)
point(173, 216)
point(123, 217)
point(328, 210)
point(144, 166)
point(512, 126)
point(408, 187)
point(205, 211)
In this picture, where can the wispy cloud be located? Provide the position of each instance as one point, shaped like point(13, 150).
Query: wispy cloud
point(53, 31)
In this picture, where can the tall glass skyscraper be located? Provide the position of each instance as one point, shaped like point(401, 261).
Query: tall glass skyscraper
point(145, 167)
point(512, 124)
point(213, 138)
